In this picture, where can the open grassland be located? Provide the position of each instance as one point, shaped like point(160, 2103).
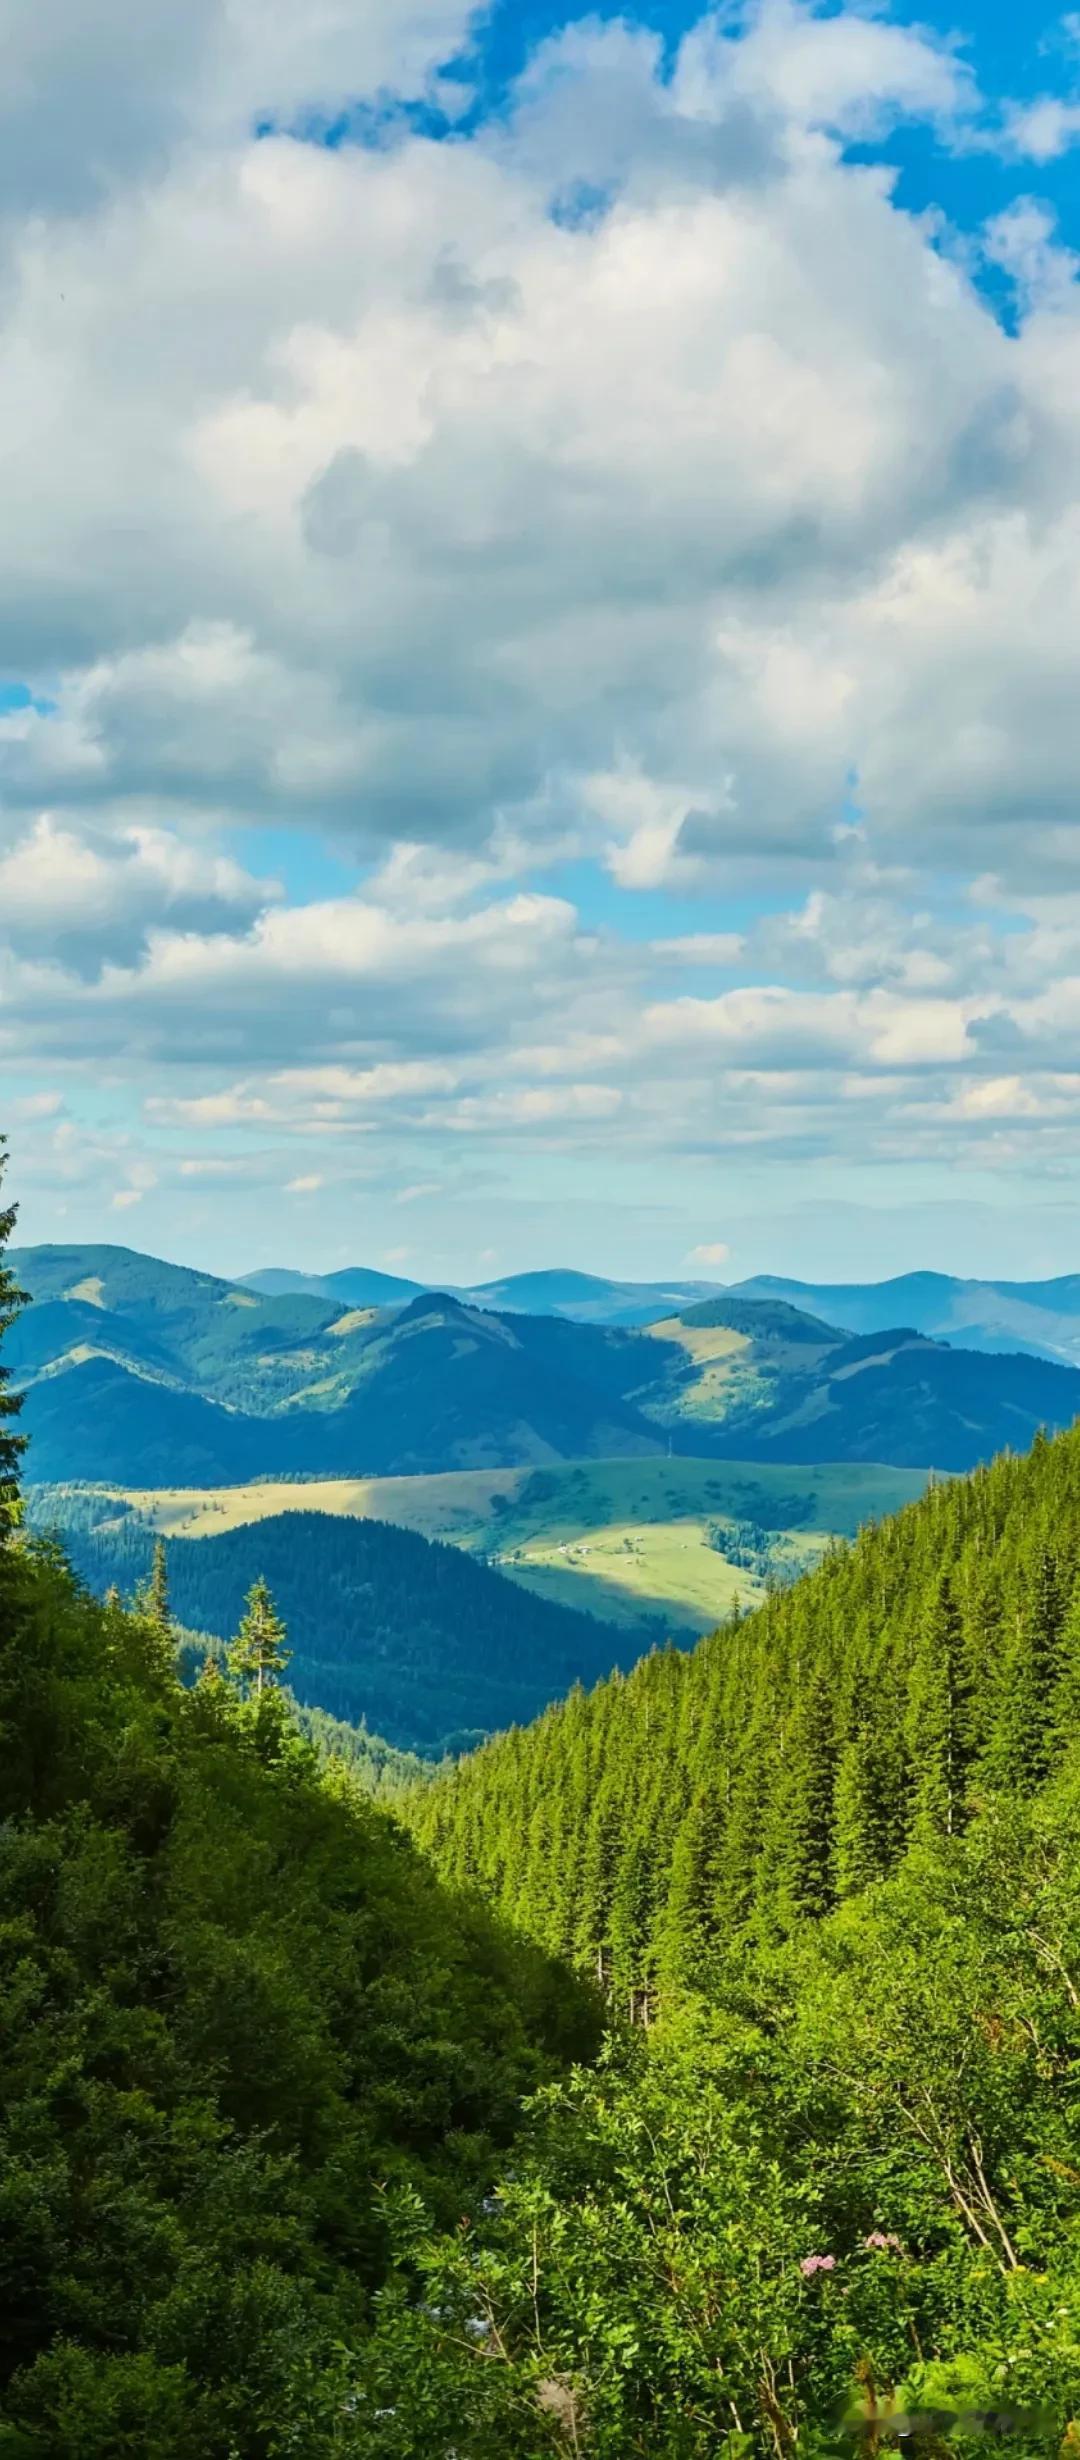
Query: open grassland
point(632, 1541)
point(665, 1573)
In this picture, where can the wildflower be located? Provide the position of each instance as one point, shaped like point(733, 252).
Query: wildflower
point(816, 2263)
point(882, 2242)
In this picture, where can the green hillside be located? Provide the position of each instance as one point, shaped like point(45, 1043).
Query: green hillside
point(828, 1867)
point(242, 2031)
point(797, 1754)
point(1042, 1317)
point(657, 1545)
point(429, 1648)
point(144, 1373)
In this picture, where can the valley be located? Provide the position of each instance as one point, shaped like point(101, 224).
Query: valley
point(659, 1547)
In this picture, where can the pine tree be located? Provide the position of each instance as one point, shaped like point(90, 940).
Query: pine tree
point(938, 1720)
point(258, 1654)
point(157, 1594)
point(11, 1445)
point(802, 1813)
point(861, 1841)
point(1021, 1741)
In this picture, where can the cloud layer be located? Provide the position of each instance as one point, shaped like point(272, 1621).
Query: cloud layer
point(618, 507)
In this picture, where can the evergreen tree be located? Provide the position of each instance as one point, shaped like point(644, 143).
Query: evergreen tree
point(938, 1723)
point(11, 1445)
point(158, 1608)
point(258, 1654)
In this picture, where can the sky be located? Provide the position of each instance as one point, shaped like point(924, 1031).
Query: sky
point(540, 635)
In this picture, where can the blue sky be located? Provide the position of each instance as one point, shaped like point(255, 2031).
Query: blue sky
point(540, 623)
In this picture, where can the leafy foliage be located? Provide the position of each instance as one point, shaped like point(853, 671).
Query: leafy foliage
point(236, 2014)
point(260, 2068)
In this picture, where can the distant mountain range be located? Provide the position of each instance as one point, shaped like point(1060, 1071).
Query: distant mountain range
point(1041, 1318)
point(143, 1373)
point(583, 1298)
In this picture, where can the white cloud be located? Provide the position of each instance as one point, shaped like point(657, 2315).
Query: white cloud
point(630, 482)
point(84, 107)
point(413, 534)
point(308, 1185)
point(38, 1105)
point(711, 1256)
point(1044, 129)
point(90, 894)
point(702, 948)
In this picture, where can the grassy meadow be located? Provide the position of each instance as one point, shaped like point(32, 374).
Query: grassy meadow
point(636, 1542)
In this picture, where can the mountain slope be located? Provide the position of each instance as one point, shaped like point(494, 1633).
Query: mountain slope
point(418, 1639)
point(355, 1286)
point(96, 1418)
point(241, 2026)
point(895, 1397)
point(587, 1298)
point(299, 1384)
point(133, 1392)
point(792, 1758)
point(230, 1345)
point(442, 1386)
point(758, 1379)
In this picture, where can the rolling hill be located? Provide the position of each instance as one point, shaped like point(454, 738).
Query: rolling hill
point(145, 1373)
point(658, 1545)
point(581, 1298)
point(763, 1380)
point(355, 1286)
point(141, 1373)
point(430, 1648)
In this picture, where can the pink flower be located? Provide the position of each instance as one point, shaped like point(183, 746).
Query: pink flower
point(883, 2242)
point(816, 2263)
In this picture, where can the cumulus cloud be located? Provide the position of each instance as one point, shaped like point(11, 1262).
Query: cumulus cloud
point(631, 482)
point(85, 895)
point(379, 509)
point(85, 108)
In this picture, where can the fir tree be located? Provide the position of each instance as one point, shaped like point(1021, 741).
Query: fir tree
point(258, 1654)
point(938, 1724)
point(157, 1593)
point(11, 1444)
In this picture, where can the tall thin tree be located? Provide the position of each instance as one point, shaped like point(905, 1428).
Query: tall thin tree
point(258, 1654)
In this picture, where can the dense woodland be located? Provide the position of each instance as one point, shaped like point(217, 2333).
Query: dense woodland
point(304, 2150)
point(793, 1758)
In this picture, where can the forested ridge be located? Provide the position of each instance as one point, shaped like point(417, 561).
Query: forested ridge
point(433, 1649)
point(792, 1758)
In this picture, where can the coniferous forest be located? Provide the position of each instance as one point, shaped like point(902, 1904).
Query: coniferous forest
point(701, 2075)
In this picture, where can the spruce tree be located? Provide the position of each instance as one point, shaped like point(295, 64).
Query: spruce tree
point(258, 1654)
point(11, 1444)
point(157, 1594)
point(938, 1718)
